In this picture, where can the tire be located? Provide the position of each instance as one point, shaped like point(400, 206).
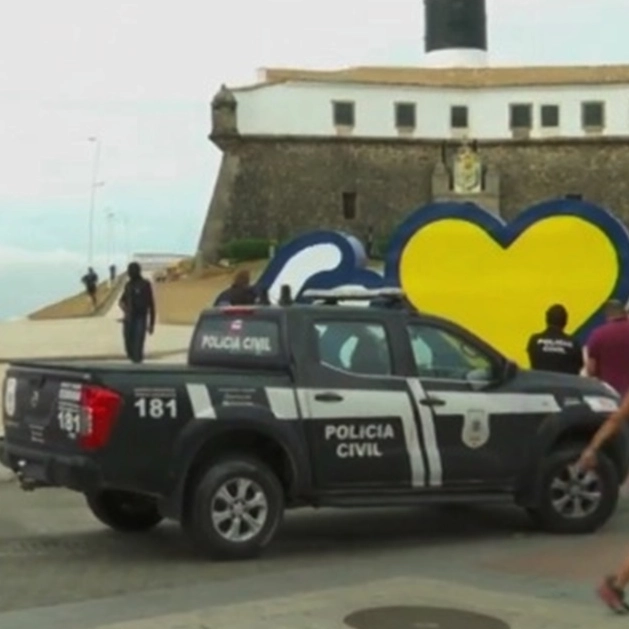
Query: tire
point(555, 511)
point(123, 511)
point(217, 493)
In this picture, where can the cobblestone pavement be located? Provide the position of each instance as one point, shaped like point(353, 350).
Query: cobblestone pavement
point(60, 568)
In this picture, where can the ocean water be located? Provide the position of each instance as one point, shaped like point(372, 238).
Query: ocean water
point(26, 289)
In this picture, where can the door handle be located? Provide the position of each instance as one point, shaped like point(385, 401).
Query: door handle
point(328, 397)
point(432, 401)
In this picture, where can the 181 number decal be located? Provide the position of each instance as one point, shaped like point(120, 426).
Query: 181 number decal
point(69, 421)
point(156, 407)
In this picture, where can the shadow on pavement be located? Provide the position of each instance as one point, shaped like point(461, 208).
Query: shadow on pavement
point(304, 534)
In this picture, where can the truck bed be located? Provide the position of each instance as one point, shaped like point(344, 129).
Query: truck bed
point(86, 367)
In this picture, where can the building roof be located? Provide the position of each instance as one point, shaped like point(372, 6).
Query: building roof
point(496, 76)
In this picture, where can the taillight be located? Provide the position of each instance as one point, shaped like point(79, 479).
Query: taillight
point(100, 410)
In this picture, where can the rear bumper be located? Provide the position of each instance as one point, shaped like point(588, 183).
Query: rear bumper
point(40, 469)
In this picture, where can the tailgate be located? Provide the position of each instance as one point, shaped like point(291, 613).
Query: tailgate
point(42, 408)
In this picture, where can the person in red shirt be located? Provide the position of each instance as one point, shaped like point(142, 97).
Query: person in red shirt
point(608, 349)
point(612, 589)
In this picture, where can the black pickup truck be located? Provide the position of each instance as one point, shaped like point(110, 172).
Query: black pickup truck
point(319, 404)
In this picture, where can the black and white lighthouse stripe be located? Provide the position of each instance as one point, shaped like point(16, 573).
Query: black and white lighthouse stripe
point(455, 33)
point(455, 24)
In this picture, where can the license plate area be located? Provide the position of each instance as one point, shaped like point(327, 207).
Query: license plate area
point(33, 470)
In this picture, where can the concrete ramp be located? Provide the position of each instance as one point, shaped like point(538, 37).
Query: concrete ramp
point(109, 306)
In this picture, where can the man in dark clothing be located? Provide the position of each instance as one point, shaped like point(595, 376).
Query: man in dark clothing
point(241, 293)
point(608, 349)
point(90, 281)
point(553, 349)
point(138, 306)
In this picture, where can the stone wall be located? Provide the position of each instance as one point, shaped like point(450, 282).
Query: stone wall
point(279, 187)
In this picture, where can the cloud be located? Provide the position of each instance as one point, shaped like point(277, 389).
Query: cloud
point(140, 75)
point(46, 155)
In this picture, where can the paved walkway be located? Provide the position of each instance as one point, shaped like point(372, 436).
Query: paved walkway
point(327, 608)
point(80, 338)
point(324, 566)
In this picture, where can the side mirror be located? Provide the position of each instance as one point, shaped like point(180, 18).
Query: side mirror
point(478, 379)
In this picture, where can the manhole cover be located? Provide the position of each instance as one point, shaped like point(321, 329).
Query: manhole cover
point(421, 618)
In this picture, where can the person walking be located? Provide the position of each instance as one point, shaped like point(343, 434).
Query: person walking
point(608, 349)
point(90, 281)
point(553, 349)
point(612, 589)
point(241, 293)
point(138, 305)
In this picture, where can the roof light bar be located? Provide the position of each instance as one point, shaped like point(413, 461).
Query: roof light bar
point(238, 310)
point(349, 294)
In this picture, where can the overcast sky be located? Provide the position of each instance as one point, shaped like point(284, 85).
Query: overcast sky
point(139, 74)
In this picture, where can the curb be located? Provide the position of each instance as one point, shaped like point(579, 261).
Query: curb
point(6, 475)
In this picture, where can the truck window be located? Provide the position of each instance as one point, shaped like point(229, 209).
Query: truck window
point(225, 338)
point(358, 347)
point(442, 355)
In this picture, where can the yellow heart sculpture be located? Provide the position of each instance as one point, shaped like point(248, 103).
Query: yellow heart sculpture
point(455, 269)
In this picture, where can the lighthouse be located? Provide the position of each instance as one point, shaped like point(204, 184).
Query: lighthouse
point(455, 33)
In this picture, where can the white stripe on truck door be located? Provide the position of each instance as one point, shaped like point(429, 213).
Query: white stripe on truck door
point(202, 407)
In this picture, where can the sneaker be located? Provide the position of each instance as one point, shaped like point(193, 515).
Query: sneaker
point(613, 596)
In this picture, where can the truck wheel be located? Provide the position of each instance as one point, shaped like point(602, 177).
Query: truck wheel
point(236, 508)
point(572, 501)
point(124, 511)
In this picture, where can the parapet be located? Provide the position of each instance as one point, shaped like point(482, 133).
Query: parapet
point(224, 114)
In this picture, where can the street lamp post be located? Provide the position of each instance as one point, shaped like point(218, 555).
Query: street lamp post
point(125, 226)
point(110, 216)
point(94, 187)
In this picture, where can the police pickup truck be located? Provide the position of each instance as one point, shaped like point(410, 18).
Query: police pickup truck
point(328, 403)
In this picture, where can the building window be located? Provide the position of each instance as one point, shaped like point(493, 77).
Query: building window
point(405, 117)
point(459, 117)
point(521, 117)
point(349, 202)
point(549, 115)
point(593, 115)
point(343, 112)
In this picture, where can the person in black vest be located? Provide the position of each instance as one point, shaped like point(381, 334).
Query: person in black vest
point(553, 349)
point(138, 306)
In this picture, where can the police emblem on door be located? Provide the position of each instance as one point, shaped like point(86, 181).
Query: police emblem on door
point(475, 433)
